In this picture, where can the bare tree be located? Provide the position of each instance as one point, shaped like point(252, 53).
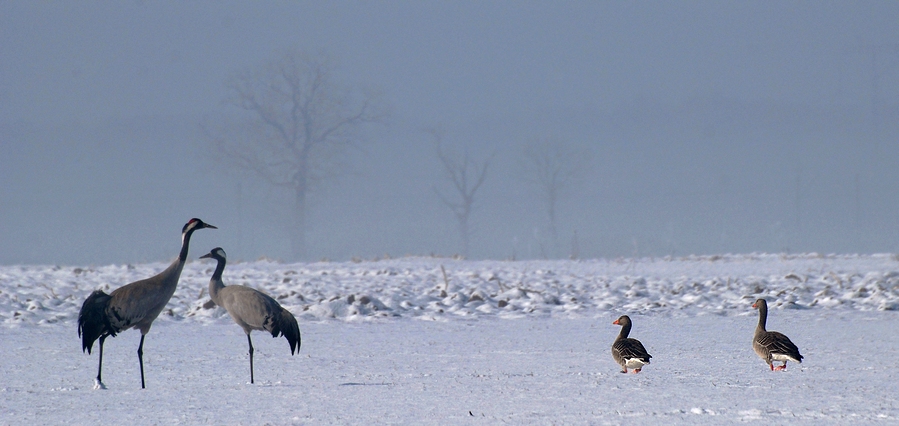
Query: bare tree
point(298, 125)
point(466, 176)
point(553, 167)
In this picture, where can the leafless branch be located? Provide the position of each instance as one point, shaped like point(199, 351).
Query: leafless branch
point(553, 166)
point(461, 173)
point(296, 124)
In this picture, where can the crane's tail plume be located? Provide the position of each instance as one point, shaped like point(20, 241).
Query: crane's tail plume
point(284, 324)
point(93, 322)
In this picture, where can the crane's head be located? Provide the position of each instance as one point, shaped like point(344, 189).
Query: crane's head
point(216, 253)
point(194, 224)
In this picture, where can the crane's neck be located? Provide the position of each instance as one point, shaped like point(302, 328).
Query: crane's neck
point(625, 331)
point(185, 244)
point(763, 316)
point(170, 276)
point(216, 283)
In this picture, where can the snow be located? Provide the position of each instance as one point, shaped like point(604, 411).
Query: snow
point(388, 341)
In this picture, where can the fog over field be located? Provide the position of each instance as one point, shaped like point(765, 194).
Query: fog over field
point(684, 128)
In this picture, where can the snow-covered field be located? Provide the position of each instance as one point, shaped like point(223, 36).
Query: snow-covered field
point(392, 341)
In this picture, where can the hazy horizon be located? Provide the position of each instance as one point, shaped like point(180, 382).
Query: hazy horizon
point(712, 127)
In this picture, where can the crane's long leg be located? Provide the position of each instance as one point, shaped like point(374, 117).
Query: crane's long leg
point(250, 341)
point(140, 358)
point(100, 366)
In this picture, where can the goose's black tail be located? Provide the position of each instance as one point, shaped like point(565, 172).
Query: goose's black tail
point(93, 322)
point(284, 324)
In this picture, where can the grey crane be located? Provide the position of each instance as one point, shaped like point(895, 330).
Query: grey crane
point(134, 305)
point(251, 309)
point(770, 345)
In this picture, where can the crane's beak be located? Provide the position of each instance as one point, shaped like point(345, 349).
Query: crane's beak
point(206, 256)
point(211, 226)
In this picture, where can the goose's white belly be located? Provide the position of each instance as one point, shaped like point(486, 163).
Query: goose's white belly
point(634, 363)
point(782, 357)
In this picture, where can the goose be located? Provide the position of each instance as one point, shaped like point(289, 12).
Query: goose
point(770, 345)
point(628, 353)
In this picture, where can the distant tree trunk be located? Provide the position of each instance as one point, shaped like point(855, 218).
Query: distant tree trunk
point(575, 247)
point(466, 236)
point(300, 183)
point(298, 231)
point(552, 197)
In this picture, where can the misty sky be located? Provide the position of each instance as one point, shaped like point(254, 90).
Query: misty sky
point(712, 127)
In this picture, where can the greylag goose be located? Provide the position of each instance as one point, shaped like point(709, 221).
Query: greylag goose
point(628, 353)
point(770, 345)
